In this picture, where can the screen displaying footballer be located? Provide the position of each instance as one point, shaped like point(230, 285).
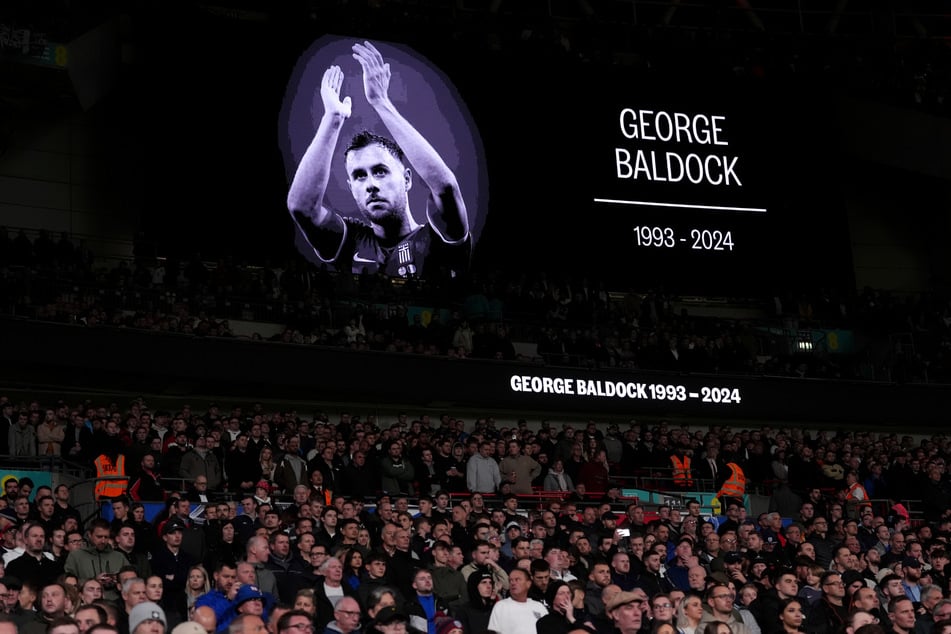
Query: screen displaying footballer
point(517, 160)
point(700, 184)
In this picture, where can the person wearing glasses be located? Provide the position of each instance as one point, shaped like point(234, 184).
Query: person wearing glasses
point(720, 603)
point(830, 612)
point(295, 622)
point(346, 617)
point(662, 609)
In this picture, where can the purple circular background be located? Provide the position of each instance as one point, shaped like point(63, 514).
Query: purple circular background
point(420, 91)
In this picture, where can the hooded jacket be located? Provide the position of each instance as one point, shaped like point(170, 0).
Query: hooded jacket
point(87, 562)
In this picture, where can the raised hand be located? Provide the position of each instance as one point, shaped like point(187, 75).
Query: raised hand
point(330, 93)
point(376, 72)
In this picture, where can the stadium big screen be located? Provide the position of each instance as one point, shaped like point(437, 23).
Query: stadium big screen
point(701, 182)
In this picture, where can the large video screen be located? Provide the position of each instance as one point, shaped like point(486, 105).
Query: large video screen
point(379, 155)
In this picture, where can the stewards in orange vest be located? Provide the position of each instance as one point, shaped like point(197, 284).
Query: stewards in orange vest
point(683, 478)
point(112, 480)
point(734, 489)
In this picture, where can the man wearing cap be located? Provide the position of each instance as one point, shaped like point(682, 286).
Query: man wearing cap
point(97, 560)
point(911, 575)
point(249, 600)
point(625, 610)
point(517, 613)
point(171, 563)
point(389, 620)
point(147, 618)
point(679, 566)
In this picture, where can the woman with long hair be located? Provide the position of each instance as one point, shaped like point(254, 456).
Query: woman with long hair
point(352, 567)
point(791, 616)
point(267, 462)
point(196, 585)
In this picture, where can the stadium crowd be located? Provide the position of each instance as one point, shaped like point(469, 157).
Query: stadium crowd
point(570, 322)
point(439, 526)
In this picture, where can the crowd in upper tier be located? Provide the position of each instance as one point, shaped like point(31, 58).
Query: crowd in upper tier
point(575, 322)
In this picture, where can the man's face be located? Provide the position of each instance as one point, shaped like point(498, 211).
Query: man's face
point(225, 578)
point(378, 182)
point(894, 588)
point(903, 614)
point(866, 599)
point(281, 546)
point(423, 583)
point(35, 539)
point(541, 579)
point(174, 539)
point(135, 595)
point(99, 538)
point(53, 600)
point(601, 575)
point(721, 600)
point(652, 562)
point(126, 538)
point(91, 591)
point(834, 587)
point(627, 617)
point(787, 586)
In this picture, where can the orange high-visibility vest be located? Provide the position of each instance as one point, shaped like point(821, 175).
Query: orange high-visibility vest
point(735, 485)
point(851, 497)
point(682, 477)
point(112, 481)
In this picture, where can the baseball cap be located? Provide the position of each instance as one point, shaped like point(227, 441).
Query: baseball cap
point(733, 558)
point(146, 611)
point(513, 525)
point(248, 592)
point(171, 526)
point(622, 598)
point(388, 615)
